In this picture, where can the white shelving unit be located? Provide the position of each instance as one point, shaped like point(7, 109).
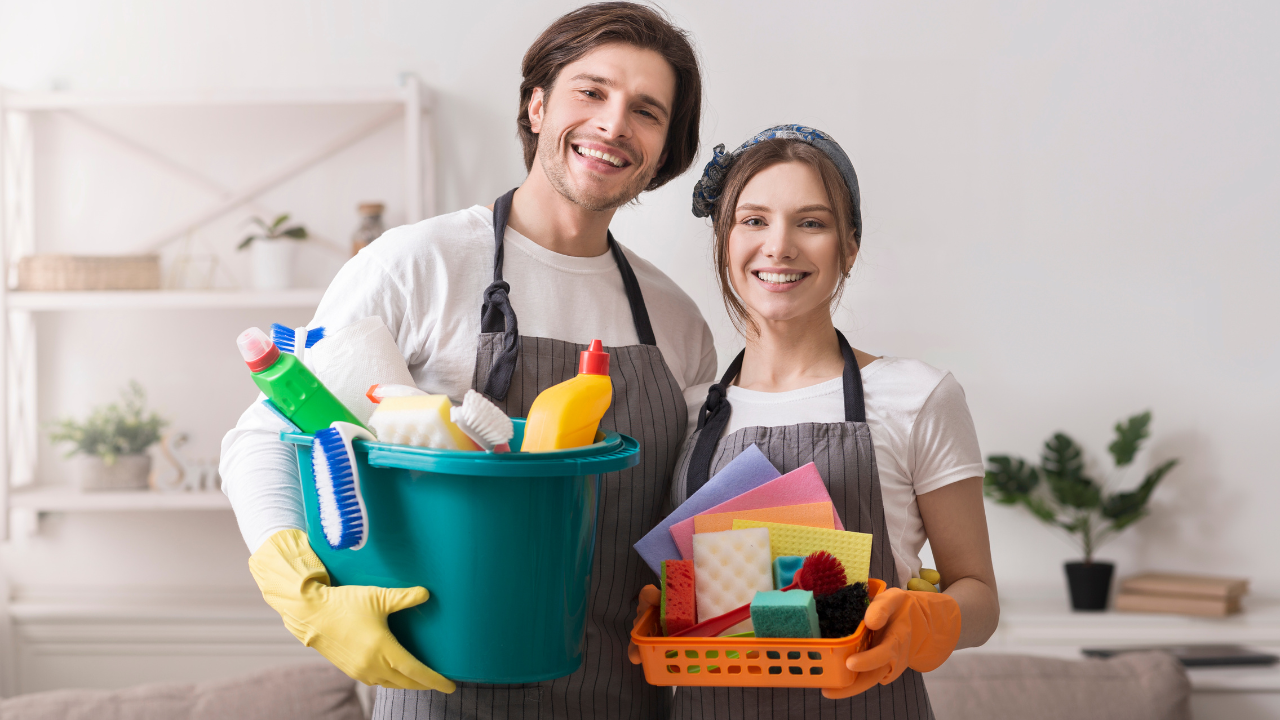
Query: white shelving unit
point(409, 102)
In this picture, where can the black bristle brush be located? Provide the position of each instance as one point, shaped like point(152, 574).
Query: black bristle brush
point(840, 612)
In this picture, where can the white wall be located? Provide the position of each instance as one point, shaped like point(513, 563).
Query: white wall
point(1072, 206)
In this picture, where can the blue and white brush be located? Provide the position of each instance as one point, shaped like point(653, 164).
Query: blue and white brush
point(287, 338)
point(337, 482)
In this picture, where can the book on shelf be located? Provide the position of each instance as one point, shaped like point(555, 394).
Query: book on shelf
point(1196, 586)
point(1177, 604)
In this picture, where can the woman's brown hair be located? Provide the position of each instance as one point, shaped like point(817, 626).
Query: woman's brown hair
point(587, 28)
point(752, 161)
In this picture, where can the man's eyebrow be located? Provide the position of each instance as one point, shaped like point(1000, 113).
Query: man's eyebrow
point(606, 82)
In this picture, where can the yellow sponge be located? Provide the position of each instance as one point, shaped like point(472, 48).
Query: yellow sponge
point(852, 549)
point(420, 420)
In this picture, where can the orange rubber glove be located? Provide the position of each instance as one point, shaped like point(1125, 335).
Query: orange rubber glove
point(650, 595)
point(916, 630)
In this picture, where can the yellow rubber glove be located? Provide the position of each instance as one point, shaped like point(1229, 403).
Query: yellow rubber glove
point(916, 630)
point(347, 625)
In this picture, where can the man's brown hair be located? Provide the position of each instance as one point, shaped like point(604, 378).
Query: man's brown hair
point(752, 161)
point(587, 28)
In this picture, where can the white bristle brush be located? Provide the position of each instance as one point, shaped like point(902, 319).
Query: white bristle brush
point(483, 422)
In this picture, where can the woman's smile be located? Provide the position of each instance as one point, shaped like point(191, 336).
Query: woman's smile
point(779, 279)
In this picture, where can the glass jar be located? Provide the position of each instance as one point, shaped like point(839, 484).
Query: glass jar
point(371, 227)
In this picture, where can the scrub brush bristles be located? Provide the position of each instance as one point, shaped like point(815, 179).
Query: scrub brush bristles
point(822, 574)
point(840, 612)
point(337, 483)
point(483, 422)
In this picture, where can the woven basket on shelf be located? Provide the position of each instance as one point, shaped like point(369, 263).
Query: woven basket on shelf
point(89, 272)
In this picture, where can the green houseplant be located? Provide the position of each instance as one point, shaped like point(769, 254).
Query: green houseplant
point(271, 251)
point(108, 449)
point(1061, 493)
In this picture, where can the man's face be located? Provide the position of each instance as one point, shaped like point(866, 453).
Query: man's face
point(603, 127)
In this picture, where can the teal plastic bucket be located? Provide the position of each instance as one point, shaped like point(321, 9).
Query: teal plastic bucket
point(504, 543)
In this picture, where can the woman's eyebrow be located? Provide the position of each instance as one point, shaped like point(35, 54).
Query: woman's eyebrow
point(815, 208)
point(754, 208)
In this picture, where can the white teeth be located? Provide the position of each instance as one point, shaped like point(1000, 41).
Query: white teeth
point(779, 278)
point(616, 162)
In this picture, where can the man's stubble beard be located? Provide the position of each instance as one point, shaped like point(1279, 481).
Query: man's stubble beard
point(554, 167)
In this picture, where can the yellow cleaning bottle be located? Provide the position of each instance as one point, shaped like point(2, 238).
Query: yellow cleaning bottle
point(567, 415)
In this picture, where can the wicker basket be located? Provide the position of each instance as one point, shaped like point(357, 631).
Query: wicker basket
point(89, 272)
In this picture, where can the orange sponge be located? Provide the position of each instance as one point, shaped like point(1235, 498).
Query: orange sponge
point(679, 600)
point(818, 515)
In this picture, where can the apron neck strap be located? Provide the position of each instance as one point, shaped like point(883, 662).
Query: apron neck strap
point(713, 417)
point(497, 316)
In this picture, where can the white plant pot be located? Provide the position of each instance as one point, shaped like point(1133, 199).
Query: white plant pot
point(128, 472)
point(271, 264)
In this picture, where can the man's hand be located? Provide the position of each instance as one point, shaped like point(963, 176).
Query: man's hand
point(649, 596)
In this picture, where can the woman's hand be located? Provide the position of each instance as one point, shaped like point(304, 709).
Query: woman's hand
point(916, 630)
point(649, 596)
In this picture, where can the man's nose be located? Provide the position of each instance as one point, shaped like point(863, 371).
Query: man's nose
point(613, 120)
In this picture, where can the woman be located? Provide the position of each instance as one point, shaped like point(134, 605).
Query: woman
point(892, 437)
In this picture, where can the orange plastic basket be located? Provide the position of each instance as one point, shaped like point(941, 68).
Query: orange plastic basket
point(748, 662)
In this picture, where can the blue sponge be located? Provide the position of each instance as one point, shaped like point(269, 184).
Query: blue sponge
point(791, 614)
point(784, 570)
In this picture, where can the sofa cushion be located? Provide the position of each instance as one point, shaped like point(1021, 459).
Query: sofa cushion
point(310, 692)
point(1133, 686)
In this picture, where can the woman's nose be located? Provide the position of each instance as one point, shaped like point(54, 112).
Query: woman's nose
point(779, 245)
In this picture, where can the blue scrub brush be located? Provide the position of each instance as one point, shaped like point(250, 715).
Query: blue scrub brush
point(337, 480)
point(286, 338)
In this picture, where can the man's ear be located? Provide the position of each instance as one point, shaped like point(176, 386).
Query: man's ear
point(536, 104)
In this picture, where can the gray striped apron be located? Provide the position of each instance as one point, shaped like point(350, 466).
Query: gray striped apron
point(846, 459)
point(648, 405)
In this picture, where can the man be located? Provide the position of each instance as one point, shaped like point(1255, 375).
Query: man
point(609, 108)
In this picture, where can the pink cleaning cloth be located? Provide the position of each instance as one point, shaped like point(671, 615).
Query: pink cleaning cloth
point(799, 487)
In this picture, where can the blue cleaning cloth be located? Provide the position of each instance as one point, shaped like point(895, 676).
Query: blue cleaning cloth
point(748, 471)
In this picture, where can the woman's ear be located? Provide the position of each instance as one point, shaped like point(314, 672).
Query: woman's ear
point(536, 104)
point(848, 262)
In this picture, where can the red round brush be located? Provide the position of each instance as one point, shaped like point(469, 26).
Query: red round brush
point(821, 574)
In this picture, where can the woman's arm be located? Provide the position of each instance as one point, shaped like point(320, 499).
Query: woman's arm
point(955, 522)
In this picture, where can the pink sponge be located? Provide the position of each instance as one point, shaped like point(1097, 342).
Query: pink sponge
point(799, 487)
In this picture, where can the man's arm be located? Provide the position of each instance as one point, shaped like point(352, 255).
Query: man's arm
point(260, 477)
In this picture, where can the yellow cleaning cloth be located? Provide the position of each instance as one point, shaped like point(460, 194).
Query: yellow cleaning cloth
point(852, 549)
point(817, 515)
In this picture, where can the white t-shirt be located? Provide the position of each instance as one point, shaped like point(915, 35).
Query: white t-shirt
point(426, 282)
point(921, 429)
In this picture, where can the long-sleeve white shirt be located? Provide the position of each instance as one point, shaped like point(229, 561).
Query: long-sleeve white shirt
point(426, 282)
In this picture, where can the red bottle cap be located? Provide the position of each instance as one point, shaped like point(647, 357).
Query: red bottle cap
point(256, 348)
point(594, 360)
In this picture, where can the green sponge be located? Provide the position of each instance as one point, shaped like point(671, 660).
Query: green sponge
point(790, 614)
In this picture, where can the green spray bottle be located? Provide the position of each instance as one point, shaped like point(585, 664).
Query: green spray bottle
point(294, 389)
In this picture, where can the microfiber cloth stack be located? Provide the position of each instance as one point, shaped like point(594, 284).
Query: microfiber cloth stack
point(352, 358)
point(800, 486)
point(749, 470)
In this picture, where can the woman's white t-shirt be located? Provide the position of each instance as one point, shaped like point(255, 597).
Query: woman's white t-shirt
point(921, 429)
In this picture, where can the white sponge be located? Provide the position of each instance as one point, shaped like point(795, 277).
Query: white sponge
point(730, 567)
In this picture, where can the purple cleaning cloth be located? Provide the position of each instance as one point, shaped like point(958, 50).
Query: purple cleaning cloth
point(749, 470)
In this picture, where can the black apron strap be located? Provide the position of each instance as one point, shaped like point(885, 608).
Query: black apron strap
point(496, 315)
point(713, 417)
point(639, 313)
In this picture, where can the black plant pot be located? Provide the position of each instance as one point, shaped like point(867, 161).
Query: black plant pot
point(1090, 584)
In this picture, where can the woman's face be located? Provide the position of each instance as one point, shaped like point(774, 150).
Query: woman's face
point(784, 246)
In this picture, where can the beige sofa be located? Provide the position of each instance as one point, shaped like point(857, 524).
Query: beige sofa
point(1146, 686)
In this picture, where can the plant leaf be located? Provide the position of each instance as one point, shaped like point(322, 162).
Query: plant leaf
point(1121, 506)
point(1129, 437)
point(1009, 480)
point(296, 232)
point(261, 223)
point(1063, 466)
point(1040, 509)
point(245, 242)
point(284, 218)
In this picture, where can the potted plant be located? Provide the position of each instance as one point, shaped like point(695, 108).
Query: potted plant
point(271, 252)
point(108, 449)
point(1070, 500)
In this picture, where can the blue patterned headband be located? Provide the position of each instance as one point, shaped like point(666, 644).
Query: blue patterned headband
point(708, 189)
